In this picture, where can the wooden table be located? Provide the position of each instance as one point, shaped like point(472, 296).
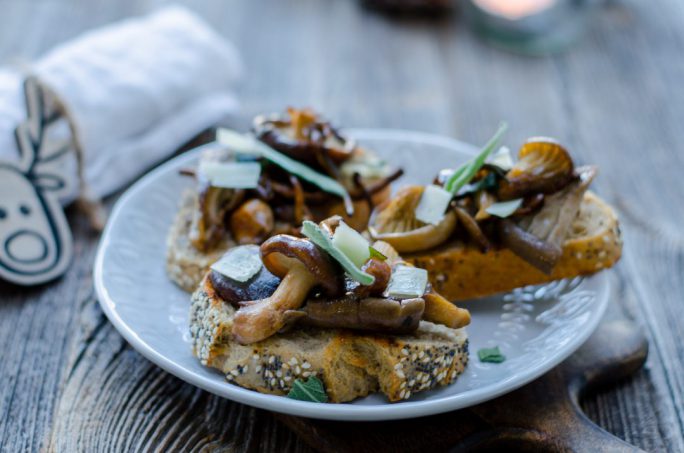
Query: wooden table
point(68, 380)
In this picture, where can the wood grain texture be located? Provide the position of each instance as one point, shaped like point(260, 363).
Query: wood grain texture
point(541, 416)
point(70, 383)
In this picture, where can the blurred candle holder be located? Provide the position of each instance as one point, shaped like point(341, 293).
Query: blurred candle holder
point(532, 27)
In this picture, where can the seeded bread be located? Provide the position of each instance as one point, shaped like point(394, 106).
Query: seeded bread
point(459, 271)
point(186, 265)
point(350, 364)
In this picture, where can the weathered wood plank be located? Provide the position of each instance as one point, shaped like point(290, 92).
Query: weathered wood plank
point(114, 400)
point(35, 332)
point(68, 379)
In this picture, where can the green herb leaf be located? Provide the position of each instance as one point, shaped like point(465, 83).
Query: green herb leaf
point(490, 181)
point(310, 390)
point(374, 253)
point(243, 143)
point(322, 239)
point(465, 173)
point(491, 355)
point(504, 209)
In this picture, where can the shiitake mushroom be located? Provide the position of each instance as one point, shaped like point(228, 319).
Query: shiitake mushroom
point(302, 266)
point(252, 222)
point(303, 135)
point(208, 221)
point(371, 313)
point(261, 286)
point(234, 292)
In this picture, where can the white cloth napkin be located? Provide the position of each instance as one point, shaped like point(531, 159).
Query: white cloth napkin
point(134, 92)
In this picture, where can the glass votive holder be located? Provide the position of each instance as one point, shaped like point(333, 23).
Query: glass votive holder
point(533, 27)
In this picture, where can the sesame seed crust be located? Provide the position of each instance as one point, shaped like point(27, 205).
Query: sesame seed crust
point(351, 365)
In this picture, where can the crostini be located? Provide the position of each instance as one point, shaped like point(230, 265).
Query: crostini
point(495, 224)
point(249, 187)
point(330, 307)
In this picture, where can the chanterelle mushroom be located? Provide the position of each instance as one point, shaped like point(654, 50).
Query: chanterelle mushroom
point(395, 222)
point(302, 266)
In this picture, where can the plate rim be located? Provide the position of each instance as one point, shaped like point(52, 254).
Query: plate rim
point(338, 411)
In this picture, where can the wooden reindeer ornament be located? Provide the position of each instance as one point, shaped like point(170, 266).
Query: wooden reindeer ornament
point(35, 240)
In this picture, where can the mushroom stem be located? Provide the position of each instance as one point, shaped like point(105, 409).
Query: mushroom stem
point(439, 310)
point(263, 318)
point(293, 289)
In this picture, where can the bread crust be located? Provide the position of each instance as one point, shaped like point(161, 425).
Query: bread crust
point(185, 265)
point(459, 271)
point(350, 364)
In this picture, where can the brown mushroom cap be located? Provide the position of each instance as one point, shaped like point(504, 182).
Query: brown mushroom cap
point(208, 220)
point(395, 222)
point(382, 273)
point(544, 167)
point(252, 222)
point(282, 252)
point(261, 286)
point(371, 314)
point(302, 136)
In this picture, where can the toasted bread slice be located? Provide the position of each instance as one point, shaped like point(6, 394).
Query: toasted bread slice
point(350, 364)
point(459, 271)
point(186, 265)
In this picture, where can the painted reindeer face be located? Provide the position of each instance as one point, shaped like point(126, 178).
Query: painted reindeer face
point(29, 243)
point(35, 241)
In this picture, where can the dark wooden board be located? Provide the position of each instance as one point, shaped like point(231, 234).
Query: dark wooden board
point(68, 382)
point(542, 416)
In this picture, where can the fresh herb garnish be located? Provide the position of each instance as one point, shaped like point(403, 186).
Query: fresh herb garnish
point(322, 239)
point(310, 390)
point(465, 173)
point(243, 143)
point(504, 209)
point(374, 253)
point(490, 181)
point(491, 355)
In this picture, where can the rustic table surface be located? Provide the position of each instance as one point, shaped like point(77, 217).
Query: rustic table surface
point(70, 382)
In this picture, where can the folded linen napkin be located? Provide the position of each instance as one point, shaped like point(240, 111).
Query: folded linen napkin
point(133, 91)
point(93, 114)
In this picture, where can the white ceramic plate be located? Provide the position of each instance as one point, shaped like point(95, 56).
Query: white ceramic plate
point(536, 327)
